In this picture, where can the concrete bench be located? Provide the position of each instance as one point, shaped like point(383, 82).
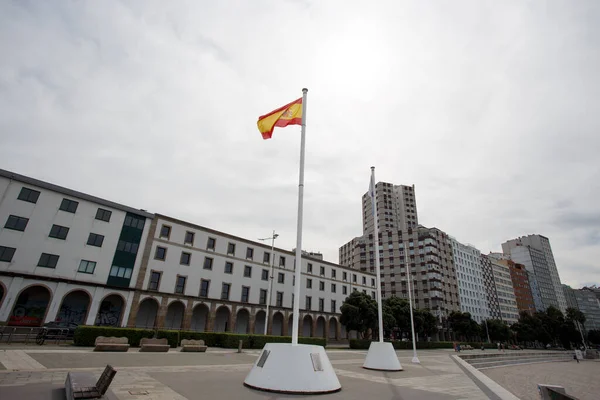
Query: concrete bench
point(82, 385)
point(154, 345)
point(111, 343)
point(188, 345)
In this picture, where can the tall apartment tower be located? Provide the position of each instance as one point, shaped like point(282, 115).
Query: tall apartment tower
point(490, 287)
point(509, 312)
point(425, 252)
point(467, 260)
point(520, 280)
point(535, 253)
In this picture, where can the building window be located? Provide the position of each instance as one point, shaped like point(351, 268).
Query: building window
point(225, 291)
point(333, 273)
point(228, 267)
point(322, 271)
point(309, 268)
point(16, 223)
point(165, 232)
point(263, 296)
point(321, 305)
point(373, 295)
point(103, 215)
point(231, 249)
point(279, 299)
point(95, 240)
point(321, 285)
point(344, 289)
point(281, 261)
point(308, 303)
point(354, 278)
point(266, 258)
point(309, 283)
point(59, 232)
point(204, 286)
point(364, 280)
point(120, 272)
point(333, 306)
point(135, 222)
point(160, 253)
point(48, 260)
point(189, 238)
point(247, 271)
point(333, 288)
point(29, 195)
point(249, 253)
point(180, 285)
point(265, 275)
point(281, 278)
point(69, 205)
point(245, 294)
point(127, 247)
point(87, 267)
point(372, 281)
point(185, 258)
point(210, 243)
point(154, 280)
point(208, 262)
point(345, 276)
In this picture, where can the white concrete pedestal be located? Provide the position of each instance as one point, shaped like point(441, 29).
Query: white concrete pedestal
point(284, 368)
point(382, 357)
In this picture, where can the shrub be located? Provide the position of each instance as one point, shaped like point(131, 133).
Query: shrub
point(86, 336)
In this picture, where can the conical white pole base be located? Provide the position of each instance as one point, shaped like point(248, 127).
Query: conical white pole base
point(382, 357)
point(285, 368)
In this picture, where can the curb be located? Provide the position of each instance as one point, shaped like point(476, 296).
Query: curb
point(492, 386)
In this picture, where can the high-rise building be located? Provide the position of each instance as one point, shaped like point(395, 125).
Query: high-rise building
point(588, 304)
point(509, 311)
point(570, 296)
point(471, 288)
point(489, 285)
point(404, 245)
point(535, 253)
point(520, 280)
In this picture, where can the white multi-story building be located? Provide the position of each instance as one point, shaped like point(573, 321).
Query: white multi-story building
point(69, 256)
point(509, 312)
point(467, 260)
point(65, 255)
point(535, 253)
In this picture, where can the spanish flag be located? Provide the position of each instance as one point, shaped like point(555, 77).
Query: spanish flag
point(290, 114)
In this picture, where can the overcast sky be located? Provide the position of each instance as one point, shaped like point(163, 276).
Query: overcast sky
point(489, 108)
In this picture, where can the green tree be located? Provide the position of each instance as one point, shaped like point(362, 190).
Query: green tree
point(359, 313)
point(425, 322)
point(594, 336)
point(400, 310)
point(463, 325)
point(497, 329)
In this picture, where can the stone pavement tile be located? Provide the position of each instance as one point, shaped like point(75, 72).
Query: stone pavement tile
point(40, 391)
point(18, 360)
point(580, 380)
point(230, 386)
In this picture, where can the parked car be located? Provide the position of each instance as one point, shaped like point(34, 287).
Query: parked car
point(58, 330)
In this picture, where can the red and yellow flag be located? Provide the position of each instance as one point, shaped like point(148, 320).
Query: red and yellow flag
point(290, 114)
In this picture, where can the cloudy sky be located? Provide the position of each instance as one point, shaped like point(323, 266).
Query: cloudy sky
point(489, 108)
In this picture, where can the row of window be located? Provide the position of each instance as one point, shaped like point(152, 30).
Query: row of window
point(47, 260)
point(57, 232)
point(185, 259)
point(66, 205)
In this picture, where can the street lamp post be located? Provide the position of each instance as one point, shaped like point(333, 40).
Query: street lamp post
point(487, 331)
point(270, 286)
point(409, 278)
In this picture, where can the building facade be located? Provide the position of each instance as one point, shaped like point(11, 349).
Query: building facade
point(406, 250)
point(520, 281)
point(509, 311)
point(589, 305)
point(489, 285)
point(69, 256)
point(570, 296)
point(535, 253)
point(472, 294)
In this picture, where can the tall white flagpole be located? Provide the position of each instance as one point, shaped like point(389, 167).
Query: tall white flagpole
point(296, 311)
point(415, 359)
point(377, 264)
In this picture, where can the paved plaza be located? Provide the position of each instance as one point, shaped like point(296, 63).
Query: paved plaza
point(39, 373)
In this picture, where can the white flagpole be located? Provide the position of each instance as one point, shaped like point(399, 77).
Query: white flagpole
point(415, 359)
point(296, 311)
point(377, 266)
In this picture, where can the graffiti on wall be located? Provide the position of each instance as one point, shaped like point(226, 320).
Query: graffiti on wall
point(75, 314)
point(108, 314)
point(30, 313)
